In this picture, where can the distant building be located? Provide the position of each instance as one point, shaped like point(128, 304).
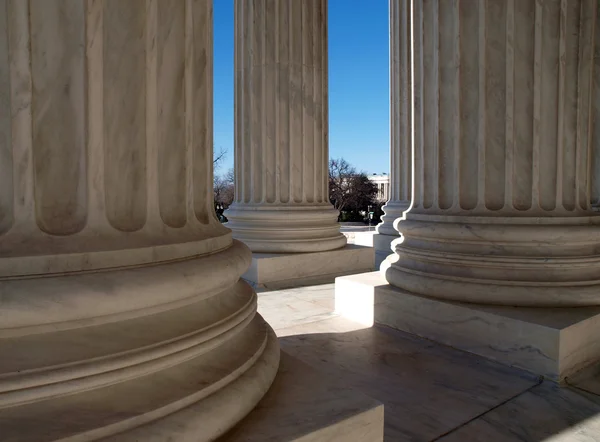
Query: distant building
point(383, 186)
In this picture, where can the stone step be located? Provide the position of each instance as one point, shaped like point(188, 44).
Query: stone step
point(305, 405)
point(553, 342)
point(276, 271)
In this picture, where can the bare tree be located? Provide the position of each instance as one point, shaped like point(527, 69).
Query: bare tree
point(218, 158)
point(224, 188)
point(349, 189)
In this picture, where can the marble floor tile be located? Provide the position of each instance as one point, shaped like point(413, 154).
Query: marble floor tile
point(427, 389)
point(587, 380)
point(309, 294)
point(546, 412)
point(334, 324)
point(282, 310)
point(322, 295)
point(286, 308)
point(430, 391)
point(305, 405)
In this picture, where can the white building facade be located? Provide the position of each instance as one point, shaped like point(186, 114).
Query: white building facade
point(383, 186)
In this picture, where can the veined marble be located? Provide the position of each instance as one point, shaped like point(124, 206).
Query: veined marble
point(503, 116)
point(555, 343)
point(283, 270)
point(435, 392)
point(327, 411)
point(546, 412)
point(122, 312)
point(427, 389)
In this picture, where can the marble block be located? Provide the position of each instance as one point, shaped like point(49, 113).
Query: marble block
point(586, 380)
point(552, 342)
point(305, 405)
point(284, 270)
point(383, 247)
point(364, 238)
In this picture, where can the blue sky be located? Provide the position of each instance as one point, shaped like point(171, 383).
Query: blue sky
point(358, 82)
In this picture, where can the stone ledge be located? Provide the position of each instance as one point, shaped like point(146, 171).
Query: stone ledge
point(553, 342)
point(275, 271)
point(305, 405)
point(364, 238)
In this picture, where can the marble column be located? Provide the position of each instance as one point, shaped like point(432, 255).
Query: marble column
point(400, 118)
point(503, 110)
point(595, 157)
point(281, 124)
point(122, 313)
point(400, 184)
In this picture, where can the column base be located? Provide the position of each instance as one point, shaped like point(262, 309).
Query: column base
point(150, 353)
point(298, 407)
point(276, 271)
point(552, 342)
point(286, 229)
point(383, 247)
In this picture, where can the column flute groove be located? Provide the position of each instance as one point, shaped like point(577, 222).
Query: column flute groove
point(482, 104)
point(6, 155)
point(510, 103)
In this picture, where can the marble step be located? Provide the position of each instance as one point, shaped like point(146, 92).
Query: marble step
point(305, 405)
point(276, 271)
point(553, 342)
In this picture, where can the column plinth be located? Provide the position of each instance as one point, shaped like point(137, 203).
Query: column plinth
point(501, 209)
point(281, 129)
point(121, 301)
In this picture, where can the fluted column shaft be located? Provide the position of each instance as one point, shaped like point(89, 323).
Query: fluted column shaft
point(106, 136)
point(281, 128)
point(595, 156)
point(400, 117)
point(502, 111)
point(120, 295)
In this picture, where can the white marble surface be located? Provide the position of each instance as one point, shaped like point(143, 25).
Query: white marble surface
point(283, 270)
point(383, 247)
point(552, 342)
point(355, 296)
point(364, 238)
point(587, 380)
point(544, 413)
point(427, 389)
point(431, 391)
point(307, 405)
point(282, 309)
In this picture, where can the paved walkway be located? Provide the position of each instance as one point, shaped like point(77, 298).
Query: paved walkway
point(431, 392)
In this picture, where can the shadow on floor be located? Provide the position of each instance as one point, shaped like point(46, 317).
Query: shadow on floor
point(432, 392)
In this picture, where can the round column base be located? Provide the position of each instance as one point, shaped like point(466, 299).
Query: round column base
point(537, 262)
point(393, 210)
point(286, 229)
point(173, 351)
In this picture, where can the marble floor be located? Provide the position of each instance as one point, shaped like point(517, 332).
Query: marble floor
point(431, 392)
